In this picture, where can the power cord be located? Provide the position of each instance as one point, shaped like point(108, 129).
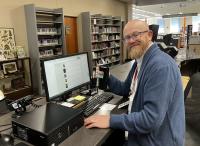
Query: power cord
point(5, 129)
point(5, 125)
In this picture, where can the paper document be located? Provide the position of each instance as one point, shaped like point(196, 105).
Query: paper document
point(67, 104)
point(107, 106)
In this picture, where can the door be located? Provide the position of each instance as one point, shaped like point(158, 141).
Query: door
point(71, 35)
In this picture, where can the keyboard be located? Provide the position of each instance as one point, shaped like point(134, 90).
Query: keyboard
point(94, 102)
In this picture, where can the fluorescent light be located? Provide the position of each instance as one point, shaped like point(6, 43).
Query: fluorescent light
point(146, 11)
point(179, 15)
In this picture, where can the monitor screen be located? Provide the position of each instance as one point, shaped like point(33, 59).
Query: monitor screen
point(154, 28)
point(65, 74)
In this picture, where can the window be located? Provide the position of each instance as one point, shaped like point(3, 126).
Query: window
point(196, 23)
point(161, 24)
point(175, 25)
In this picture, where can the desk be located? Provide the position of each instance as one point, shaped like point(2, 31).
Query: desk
point(83, 136)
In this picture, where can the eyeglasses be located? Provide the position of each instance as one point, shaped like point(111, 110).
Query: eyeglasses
point(133, 36)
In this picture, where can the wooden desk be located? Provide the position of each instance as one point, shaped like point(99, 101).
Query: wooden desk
point(83, 136)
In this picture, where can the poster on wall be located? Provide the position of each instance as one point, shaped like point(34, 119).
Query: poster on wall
point(7, 42)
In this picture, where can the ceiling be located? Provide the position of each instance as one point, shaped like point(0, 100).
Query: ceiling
point(165, 7)
point(173, 8)
point(152, 2)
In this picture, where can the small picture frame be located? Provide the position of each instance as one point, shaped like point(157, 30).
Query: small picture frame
point(10, 67)
point(20, 52)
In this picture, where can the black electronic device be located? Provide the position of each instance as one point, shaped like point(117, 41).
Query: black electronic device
point(64, 74)
point(6, 140)
point(168, 40)
point(48, 125)
point(154, 28)
point(19, 105)
point(103, 82)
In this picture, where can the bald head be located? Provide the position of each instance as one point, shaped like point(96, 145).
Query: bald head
point(136, 25)
point(137, 38)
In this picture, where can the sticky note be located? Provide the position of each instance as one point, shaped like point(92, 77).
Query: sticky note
point(79, 97)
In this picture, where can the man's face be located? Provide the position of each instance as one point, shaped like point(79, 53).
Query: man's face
point(136, 41)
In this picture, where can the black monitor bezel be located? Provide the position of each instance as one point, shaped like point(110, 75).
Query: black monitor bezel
point(68, 91)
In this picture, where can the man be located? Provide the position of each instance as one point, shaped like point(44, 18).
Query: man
point(156, 110)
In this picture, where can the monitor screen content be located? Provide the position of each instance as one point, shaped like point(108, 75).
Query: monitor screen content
point(64, 74)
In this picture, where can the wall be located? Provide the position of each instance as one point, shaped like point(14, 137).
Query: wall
point(12, 12)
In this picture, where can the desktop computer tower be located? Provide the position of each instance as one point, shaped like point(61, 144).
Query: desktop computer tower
point(48, 125)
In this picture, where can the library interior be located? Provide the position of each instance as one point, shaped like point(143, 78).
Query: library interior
point(100, 73)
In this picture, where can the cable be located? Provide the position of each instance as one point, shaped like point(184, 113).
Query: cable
point(5, 125)
point(5, 129)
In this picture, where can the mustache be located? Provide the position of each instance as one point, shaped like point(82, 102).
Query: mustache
point(132, 45)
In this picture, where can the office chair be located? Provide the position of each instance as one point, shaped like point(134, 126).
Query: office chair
point(192, 102)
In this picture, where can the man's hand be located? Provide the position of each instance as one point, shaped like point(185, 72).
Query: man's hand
point(99, 121)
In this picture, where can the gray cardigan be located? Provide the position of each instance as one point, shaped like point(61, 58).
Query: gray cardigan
point(157, 116)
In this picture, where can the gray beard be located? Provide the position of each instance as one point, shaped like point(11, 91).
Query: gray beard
point(135, 53)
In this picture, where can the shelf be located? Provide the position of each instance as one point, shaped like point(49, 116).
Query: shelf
point(13, 75)
point(39, 12)
point(18, 93)
point(106, 25)
point(56, 34)
point(48, 22)
point(43, 14)
point(106, 33)
point(50, 45)
point(103, 56)
point(46, 57)
point(15, 59)
point(105, 41)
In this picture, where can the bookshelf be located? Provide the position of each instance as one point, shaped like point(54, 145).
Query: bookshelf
point(102, 39)
point(15, 77)
point(45, 34)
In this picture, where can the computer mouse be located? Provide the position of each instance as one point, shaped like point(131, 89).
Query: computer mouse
point(6, 140)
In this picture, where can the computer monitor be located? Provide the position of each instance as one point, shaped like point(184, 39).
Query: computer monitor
point(167, 39)
point(65, 74)
point(154, 28)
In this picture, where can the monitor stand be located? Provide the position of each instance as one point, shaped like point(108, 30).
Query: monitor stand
point(63, 98)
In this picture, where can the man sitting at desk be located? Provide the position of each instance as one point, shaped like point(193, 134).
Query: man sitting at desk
point(156, 114)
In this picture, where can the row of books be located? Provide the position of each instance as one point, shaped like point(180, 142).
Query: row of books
point(43, 42)
point(104, 53)
point(105, 45)
point(104, 61)
point(50, 52)
point(105, 21)
point(97, 29)
point(105, 37)
point(49, 31)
